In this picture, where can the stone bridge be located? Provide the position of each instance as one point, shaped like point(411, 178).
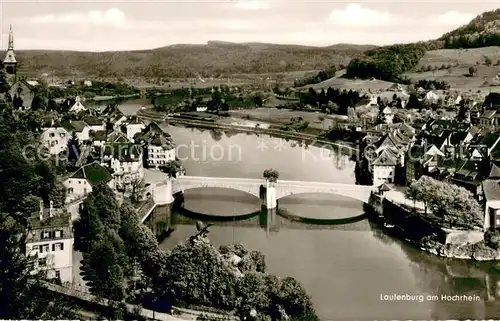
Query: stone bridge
point(274, 191)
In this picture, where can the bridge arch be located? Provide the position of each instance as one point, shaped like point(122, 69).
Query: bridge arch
point(356, 192)
point(249, 186)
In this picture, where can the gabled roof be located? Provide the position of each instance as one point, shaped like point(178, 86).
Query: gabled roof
point(76, 125)
point(94, 173)
point(100, 135)
point(491, 189)
point(92, 121)
point(117, 137)
point(386, 158)
point(488, 114)
point(494, 171)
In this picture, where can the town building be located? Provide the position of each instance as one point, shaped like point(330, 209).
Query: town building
point(77, 106)
point(23, 89)
point(133, 126)
point(126, 162)
point(55, 139)
point(387, 115)
point(158, 146)
point(49, 243)
point(80, 183)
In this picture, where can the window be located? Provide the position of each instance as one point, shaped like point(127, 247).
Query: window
point(51, 135)
point(57, 247)
point(84, 190)
point(58, 234)
point(498, 221)
point(58, 274)
point(70, 190)
point(79, 182)
point(63, 135)
point(42, 262)
point(34, 248)
point(45, 235)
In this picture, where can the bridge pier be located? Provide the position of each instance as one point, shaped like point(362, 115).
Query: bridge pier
point(268, 219)
point(160, 220)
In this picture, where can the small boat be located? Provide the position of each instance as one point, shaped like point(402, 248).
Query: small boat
point(387, 225)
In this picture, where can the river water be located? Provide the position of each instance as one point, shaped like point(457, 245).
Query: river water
point(347, 269)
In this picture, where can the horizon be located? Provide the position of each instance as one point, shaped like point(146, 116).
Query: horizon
point(87, 26)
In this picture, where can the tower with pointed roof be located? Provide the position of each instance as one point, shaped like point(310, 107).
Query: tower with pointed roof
point(10, 62)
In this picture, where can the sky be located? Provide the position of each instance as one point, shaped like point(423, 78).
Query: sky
point(94, 25)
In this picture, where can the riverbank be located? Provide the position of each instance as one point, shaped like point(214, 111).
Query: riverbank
point(428, 237)
point(238, 125)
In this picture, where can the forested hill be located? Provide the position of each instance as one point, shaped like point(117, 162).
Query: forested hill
point(482, 31)
point(214, 59)
point(390, 62)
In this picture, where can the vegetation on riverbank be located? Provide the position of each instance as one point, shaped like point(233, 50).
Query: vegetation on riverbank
point(123, 261)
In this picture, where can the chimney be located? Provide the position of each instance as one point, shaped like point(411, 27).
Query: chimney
point(51, 209)
point(41, 210)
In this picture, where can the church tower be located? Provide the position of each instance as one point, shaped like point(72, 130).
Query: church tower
point(10, 62)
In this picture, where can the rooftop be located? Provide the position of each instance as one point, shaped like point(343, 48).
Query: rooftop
point(93, 173)
point(61, 218)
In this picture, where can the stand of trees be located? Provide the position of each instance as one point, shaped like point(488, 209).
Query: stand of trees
point(25, 179)
point(450, 204)
point(433, 84)
point(387, 63)
point(331, 100)
point(319, 77)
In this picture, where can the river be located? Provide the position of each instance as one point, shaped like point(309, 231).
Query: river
point(347, 269)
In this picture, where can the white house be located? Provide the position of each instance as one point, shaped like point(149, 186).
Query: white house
point(431, 97)
point(387, 115)
point(134, 126)
point(55, 139)
point(80, 184)
point(384, 167)
point(126, 161)
point(77, 107)
point(49, 243)
point(160, 150)
point(87, 83)
point(491, 190)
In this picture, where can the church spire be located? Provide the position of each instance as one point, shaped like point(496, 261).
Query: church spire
point(11, 39)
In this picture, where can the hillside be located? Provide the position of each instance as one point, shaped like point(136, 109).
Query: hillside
point(215, 59)
point(392, 62)
point(482, 31)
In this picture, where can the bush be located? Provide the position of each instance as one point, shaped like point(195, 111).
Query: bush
point(492, 239)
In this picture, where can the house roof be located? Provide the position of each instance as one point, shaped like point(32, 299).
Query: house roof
point(384, 188)
point(61, 218)
point(494, 171)
point(387, 111)
point(100, 135)
point(386, 158)
point(492, 99)
point(491, 189)
point(490, 140)
point(117, 137)
point(94, 173)
point(92, 121)
point(75, 125)
point(488, 113)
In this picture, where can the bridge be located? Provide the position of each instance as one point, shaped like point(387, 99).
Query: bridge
point(269, 192)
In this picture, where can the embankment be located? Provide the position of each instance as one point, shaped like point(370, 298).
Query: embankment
point(428, 236)
point(307, 138)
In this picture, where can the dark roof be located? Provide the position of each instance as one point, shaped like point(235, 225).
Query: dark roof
point(489, 140)
point(492, 99)
point(384, 188)
point(117, 137)
point(161, 140)
point(92, 121)
point(61, 218)
point(457, 138)
point(75, 125)
point(491, 189)
point(386, 158)
point(100, 135)
point(93, 173)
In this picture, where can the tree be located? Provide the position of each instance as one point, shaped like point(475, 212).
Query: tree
point(4, 84)
point(296, 301)
point(472, 71)
point(252, 292)
point(138, 187)
point(271, 175)
point(172, 168)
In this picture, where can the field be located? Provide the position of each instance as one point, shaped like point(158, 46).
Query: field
point(283, 116)
point(461, 60)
